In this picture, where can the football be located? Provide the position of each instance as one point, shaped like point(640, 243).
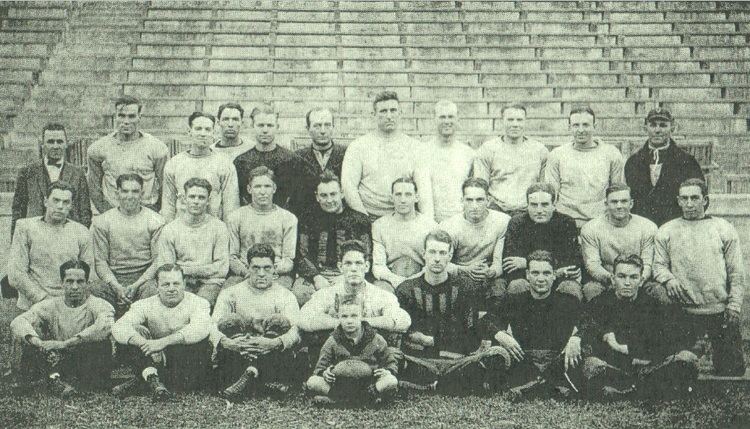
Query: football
point(352, 369)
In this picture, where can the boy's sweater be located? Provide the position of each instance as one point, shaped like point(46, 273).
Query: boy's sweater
point(371, 349)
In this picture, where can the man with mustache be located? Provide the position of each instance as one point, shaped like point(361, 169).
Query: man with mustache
point(229, 119)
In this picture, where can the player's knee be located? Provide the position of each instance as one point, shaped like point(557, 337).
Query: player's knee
point(571, 287)
point(591, 290)
point(384, 285)
point(231, 325)
point(518, 286)
point(303, 291)
point(657, 291)
point(387, 383)
point(316, 384)
point(285, 281)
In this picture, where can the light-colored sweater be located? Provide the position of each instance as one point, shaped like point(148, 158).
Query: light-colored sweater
point(91, 321)
point(704, 256)
point(231, 152)
point(581, 177)
point(398, 246)
point(214, 167)
point(201, 250)
point(510, 169)
point(36, 253)
point(253, 304)
point(125, 244)
point(190, 318)
point(474, 242)
point(602, 242)
point(448, 168)
point(276, 227)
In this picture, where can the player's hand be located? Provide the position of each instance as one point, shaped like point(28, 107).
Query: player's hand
point(151, 347)
point(122, 295)
point(678, 293)
point(232, 344)
point(320, 282)
point(510, 344)
point(381, 372)
point(39, 297)
point(132, 290)
point(49, 346)
point(572, 352)
point(477, 271)
point(328, 375)
point(513, 263)
point(422, 339)
point(731, 317)
point(262, 345)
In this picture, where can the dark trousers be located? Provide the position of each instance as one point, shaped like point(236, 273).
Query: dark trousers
point(287, 367)
point(726, 341)
point(89, 364)
point(184, 366)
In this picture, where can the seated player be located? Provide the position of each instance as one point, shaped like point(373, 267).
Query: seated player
point(125, 241)
point(198, 243)
point(616, 232)
point(67, 337)
point(634, 339)
point(321, 235)
point(398, 238)
point(256, 335)
point(262, 222)
point(443, 346)
point(537, 327)
point(166, 338)
point(354, 339)
point(542, 227)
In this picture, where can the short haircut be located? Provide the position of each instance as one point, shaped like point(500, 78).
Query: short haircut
point(265, 109)
point(353, 246)
point(475, 182)
point(631, 259)
point(695, 182)
point(317, 109)
point(260, 171)
point(384, 96)
point(328, 176)
point(168, 268)
point(128, 100)
point(129, 177)
point(54, 126)
point(234, 106)
point(541, 256)
point(582, 109)
point(74, 264)
point(541, 187)
point(404, 179)
point(616, 187)
point(440, 236)
point(446, 103)
point(61, 185)
point(198, 182)
point(195, 115)
point(516, 106)
point(260, 250)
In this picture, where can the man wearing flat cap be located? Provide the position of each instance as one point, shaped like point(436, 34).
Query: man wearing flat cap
point(655, 172)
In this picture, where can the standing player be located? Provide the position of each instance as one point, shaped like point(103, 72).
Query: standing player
point(229, 119)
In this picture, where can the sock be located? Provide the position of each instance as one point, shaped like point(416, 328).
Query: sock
point(54, 375)
point(148, 372)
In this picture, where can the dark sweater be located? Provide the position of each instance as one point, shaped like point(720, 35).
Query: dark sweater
point(281, 160)
point(659, 203)
point(307, 175)
point(559, 236)
point(371, 349)
point(447, 311)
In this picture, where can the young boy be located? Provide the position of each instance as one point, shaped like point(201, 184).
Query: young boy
point(353, 339)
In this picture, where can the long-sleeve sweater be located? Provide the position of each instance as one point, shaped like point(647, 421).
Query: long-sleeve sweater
point(253, 304)
point(602, 242)
point(510, 169)
point(190, 318)
point(124, 244)
point(474, 242)
point(371, 349)
point(201, 250)
point(559, 236)
point(36, 253)
point(276, 227)
point(581, 177)
point(214, 167)
point(448, 312)
point(448, 168)
point(704, 256)
point(320, 238)
point(397, 246)
point(91, 321)
point(280, 159)
point(231, 152)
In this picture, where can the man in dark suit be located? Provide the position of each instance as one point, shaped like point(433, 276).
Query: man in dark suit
point(321, 155)
point(34, 179)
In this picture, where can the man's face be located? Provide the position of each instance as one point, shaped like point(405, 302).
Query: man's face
point(58, 204)
point(321, 127)
point(659, 132)
point(627, 280)
point(264, 126)
point(540, 275)
point(437, 255)
point(261, 189)
point(582, 127)
point(350, 317)
point(329, 197)
point(230, 123)
point(129, 195)
point(202, 131)
point(171, 288)
point(196, 200)
point(692, 202)
point(127, 118)
point(446, 117)
point(475, 204)
point(514, 122)
point(540, 208)
point(619, 204)
point(404, 198)
point(353, 267)
point(75, 286)
point(54, 144)
point(387, 113)
point(260, 273)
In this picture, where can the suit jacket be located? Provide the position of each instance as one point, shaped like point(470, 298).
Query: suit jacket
point(31, 189)
point(307, 177)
